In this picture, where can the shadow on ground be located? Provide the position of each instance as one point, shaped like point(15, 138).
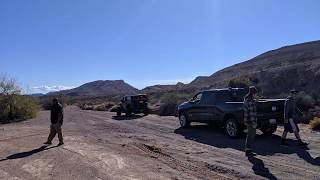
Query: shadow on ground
point(264, 145)
point(124, 118)
point(27, 153)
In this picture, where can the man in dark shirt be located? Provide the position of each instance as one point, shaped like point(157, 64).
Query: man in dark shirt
point(56, 122)
point(291, 119)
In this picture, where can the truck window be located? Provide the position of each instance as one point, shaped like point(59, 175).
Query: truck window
point(208, 98)
point(197, 97)
point(230, 96)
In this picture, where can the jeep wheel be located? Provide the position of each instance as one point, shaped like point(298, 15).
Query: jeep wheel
point(232, 128)
point(184, 123)
point(128, 113)
point(269, 130)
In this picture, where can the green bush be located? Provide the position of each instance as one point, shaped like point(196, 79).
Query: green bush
point(13, 105)
point(174, 98)
point(17, 107)
point(305, 101)
point(315, 123)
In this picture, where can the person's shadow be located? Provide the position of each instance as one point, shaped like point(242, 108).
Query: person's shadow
point(259, 168)
point(27, 153)
point(265, 145)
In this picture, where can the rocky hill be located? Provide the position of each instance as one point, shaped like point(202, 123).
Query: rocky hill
point(275, 72)
point(100, 88)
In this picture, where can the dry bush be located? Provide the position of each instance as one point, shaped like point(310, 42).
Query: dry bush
point(169, 103)
point(114, 108)
point(315, 123)
point(305, 101)
point(96, 107)
point(13, 105)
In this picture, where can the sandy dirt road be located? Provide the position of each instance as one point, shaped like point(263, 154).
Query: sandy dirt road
point(100, 146)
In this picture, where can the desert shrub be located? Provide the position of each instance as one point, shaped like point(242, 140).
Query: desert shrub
point(96, 107)
point(315, 123)
point(245, 82)
point(239, 83)
point(104, 106)
point(174, 98)
point(305, 101)
point(114, 108)
point(168, 109)
point(13, 105)
point(170, 101)
point(46, 103)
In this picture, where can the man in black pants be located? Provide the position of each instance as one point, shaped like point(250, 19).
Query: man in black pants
point(250, 119)
point(56, 122)
point(290, 119)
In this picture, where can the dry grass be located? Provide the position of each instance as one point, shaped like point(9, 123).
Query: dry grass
point(315, 123)
point(97, 107)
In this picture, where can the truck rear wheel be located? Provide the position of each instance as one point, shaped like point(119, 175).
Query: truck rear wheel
point(128, 113)
point(232, 128)
point(184, 122)
point(269, 130)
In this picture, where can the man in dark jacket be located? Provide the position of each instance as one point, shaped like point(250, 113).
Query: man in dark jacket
point(250, 119)
point(56, 122)
point(290, 119)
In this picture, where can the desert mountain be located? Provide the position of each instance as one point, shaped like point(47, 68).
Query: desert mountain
point(100, 88)
point(275, 72)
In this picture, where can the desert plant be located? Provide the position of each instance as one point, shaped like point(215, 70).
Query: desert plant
point(305, 101)
point(13, 105)
point(242, 82)
point(315, 123)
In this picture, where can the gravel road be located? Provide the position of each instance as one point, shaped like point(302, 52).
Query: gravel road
point(101, 146)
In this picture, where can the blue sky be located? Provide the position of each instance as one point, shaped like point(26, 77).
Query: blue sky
point(54, 44)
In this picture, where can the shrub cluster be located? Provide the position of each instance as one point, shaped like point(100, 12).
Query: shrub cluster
point(315, 123)
point(305, 101)
point(13, 105)
point(17, 107)
point(96, 107)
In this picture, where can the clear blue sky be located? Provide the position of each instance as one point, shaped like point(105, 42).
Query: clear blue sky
point(144, 42)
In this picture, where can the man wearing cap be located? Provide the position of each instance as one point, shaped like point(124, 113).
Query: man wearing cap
point(290, 119)
point(250, 119)
point(56, 122)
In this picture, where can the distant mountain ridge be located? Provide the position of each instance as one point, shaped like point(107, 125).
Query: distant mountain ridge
point(100, 88)
point(275, 72)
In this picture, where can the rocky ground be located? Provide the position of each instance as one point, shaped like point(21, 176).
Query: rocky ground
point(101, 146)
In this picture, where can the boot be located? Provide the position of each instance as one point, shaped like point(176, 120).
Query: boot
point(301, 143)
point(284, 142)
point(47, 143)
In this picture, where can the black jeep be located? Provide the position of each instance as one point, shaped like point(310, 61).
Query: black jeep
point(133, 105)
point(225, 108)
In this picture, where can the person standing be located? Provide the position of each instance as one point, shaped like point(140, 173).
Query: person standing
point(250, 119)
point(56, 122)
point(290, 119)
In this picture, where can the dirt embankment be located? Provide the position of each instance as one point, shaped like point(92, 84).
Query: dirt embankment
point(100, 146)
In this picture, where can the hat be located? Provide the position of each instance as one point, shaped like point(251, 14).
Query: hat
point(294, 91)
